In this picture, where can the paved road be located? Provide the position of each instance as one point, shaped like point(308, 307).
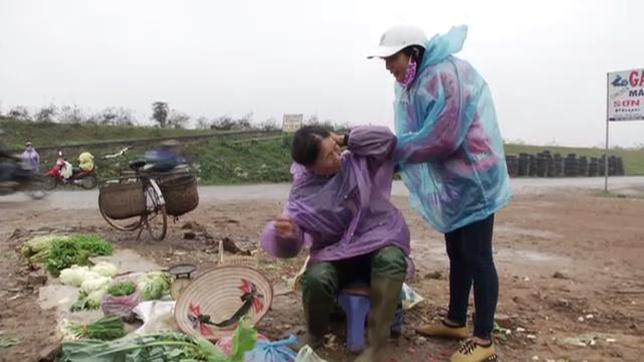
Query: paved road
point(88, 199)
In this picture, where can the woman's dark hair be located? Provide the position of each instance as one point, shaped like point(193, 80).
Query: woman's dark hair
point(306, 144)
point(415, 52)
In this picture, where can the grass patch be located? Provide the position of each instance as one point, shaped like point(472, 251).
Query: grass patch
point(44, 134)
point(221, 161)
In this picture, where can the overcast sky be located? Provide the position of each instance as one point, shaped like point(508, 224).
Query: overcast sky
point(545, 61)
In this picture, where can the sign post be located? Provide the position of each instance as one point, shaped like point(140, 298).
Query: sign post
point(606, 152)
point(624, 102)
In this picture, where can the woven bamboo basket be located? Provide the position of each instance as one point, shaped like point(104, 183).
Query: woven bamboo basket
point(180, 194)
point(121, 200)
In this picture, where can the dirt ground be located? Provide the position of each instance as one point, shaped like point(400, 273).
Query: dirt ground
point(570, 265)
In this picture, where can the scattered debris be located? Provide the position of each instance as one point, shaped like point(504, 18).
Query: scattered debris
point(559, 275)
point(436, 274)
point(231, 247)
point(36, 279)
point(589, 316)
point(520, 330)
point(196, 228)
point(503, 320)
point(581, 340)
point(49, 353)
point(6, 342)
point(330, 342)
point(580, 319)
point(410, 297)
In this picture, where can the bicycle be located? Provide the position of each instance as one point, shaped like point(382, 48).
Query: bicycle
point(135, 194)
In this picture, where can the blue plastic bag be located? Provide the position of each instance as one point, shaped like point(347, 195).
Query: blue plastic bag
point(278, 351)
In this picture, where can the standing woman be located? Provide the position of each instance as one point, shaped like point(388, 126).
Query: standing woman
point(450, 153)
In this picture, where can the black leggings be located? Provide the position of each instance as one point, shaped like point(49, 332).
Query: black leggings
point(470, 254)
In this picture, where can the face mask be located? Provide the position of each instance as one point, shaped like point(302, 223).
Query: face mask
point(410, 73)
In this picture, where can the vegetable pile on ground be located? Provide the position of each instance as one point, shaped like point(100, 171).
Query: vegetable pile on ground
point(37, 249)
point(93, 282)
point(106, 329)
point(58, 252)
point(122, 289)
point(153, 285)
point(75, 250)
point(161, 347)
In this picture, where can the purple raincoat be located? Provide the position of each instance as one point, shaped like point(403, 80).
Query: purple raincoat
point(347, 214)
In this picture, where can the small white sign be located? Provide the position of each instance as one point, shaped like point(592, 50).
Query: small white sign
point(292, 122)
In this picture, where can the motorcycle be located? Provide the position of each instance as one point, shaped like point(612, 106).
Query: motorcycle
point(85, 179)
point(17, 178)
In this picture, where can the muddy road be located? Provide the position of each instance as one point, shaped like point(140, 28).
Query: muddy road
point(569, 261)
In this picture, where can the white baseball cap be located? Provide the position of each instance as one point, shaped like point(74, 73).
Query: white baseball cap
point(398, 38)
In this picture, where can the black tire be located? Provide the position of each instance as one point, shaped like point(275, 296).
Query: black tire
point(89, 182)
point(36, 187)
point(50, 183)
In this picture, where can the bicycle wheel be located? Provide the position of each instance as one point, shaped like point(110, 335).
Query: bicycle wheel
point(156, 219)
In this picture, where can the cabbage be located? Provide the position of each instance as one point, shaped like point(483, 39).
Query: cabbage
point(153, 285)
point(91, 301)
point(105, 269)
point(76, 275)
point(37, 248)
point(91, 285)
point(95, 298)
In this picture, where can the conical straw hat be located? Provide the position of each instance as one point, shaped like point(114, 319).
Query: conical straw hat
point(220, 293)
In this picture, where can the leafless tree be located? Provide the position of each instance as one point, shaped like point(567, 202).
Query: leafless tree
point(71, 114)
point(160, 113)
point(19, 113)
point(177, 119)
point(46, 114)
point(203, 123)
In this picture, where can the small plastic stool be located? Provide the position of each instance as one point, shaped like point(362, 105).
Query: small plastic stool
point(356, 307)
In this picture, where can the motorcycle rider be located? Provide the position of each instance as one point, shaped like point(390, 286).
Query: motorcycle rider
point(85, 162)
point(166, 157)
point(62, 168)
point(30, 157)
point(7, 161)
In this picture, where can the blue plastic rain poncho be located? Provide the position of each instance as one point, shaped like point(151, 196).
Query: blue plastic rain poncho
point(449, 146)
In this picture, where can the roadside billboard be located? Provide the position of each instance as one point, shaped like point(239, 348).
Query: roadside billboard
point(626, 95)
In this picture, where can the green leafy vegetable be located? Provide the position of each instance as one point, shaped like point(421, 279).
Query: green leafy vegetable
point(91, 301)
point(106, 329)
point(95, 244)
point(122, 289)
point(37, 249)
point(66, 252)
point(162, 347)
point(153, 285)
